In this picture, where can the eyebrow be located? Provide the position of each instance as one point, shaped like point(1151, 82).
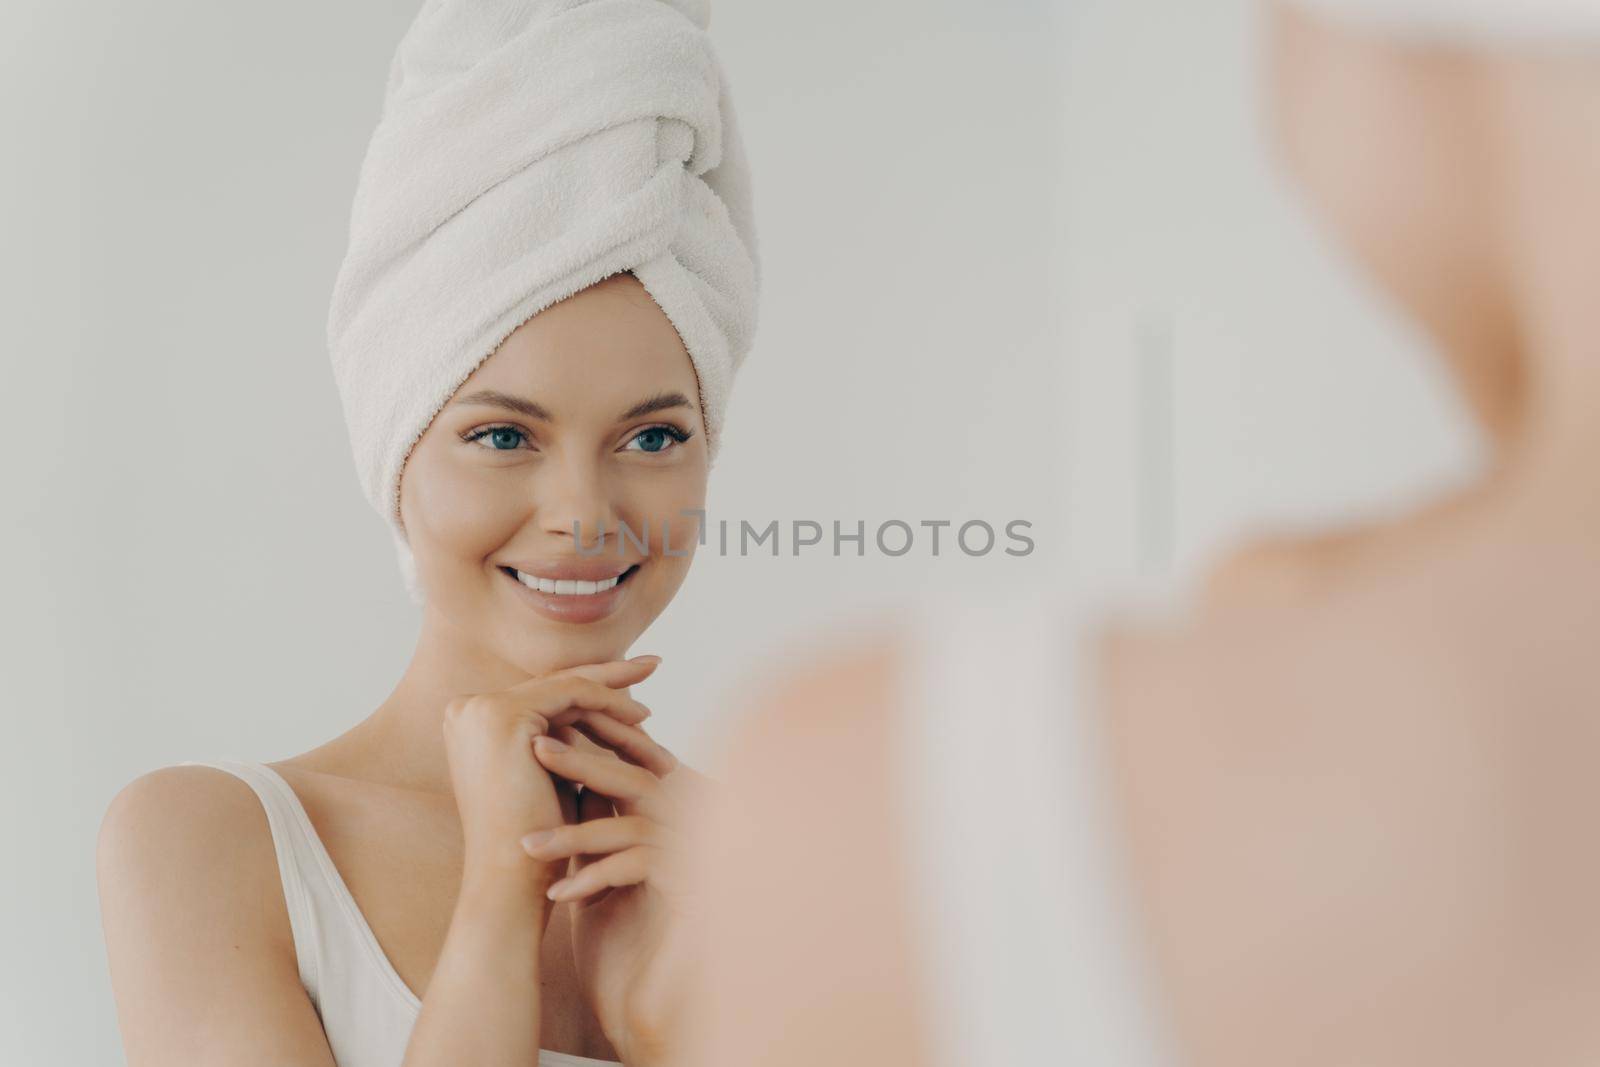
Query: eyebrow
point(659, 402)
point(521, 405)
point(495, 398)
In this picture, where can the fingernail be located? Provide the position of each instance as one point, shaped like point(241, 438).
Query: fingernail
point(532, 842)
point(550, 744)
point(556, 891)
point(646, 659)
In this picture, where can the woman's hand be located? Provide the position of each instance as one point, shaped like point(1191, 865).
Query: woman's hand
point(501, 791)
point(633, 920)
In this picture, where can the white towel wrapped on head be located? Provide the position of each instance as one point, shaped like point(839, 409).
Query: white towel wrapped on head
point(526, 150)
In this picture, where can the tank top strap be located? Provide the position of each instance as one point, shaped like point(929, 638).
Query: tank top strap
point(1021, 905)
point(297, 861)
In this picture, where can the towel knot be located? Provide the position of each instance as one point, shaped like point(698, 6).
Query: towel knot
point(525, 151)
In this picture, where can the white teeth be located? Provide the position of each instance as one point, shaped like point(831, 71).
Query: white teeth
point(566, 586)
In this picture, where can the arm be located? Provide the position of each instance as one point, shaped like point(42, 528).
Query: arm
point(482, 1003)
point(197, 937)
point(202, 956)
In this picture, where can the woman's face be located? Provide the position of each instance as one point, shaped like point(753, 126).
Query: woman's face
point(586, 419)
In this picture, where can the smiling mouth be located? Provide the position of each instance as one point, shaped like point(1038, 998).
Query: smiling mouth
point(569, 586)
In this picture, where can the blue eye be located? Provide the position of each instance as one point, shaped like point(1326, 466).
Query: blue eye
point(498, 435)
point(654, 439)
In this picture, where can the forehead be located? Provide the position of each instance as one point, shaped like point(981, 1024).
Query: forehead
point(608, 343)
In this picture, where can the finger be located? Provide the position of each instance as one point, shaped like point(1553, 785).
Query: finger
point(559, 697)
point(622, 782)
point(652, 661)
point(628, 867)
point(565, 733)
point(618, 674)
point(593, 805)
point(598, 837)
point(567, 795)
point(630, 743)
point(570, 790)
point(587, 804)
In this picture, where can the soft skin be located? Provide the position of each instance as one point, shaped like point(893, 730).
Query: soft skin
point(1357, 785)
point(470, 506)
point(423, 804)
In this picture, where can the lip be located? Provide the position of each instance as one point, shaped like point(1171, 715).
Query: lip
point(573, 609)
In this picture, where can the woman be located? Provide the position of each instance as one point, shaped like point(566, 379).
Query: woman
point(550, 281)
point(1347, 796)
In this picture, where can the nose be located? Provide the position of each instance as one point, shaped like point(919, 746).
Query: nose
point(575, 502)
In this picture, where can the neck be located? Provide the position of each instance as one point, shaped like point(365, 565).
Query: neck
point(1555, 470)
point(1545, 109)
point(1542, 481)
point(402, 742)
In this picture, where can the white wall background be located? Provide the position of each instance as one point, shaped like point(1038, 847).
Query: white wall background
point(192, 571)
point(1229, 370)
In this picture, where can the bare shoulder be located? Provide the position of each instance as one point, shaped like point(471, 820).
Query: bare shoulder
point(175, 797)
point(196, 928)
point(185, 852)
point(185, 831)
point(811, 886)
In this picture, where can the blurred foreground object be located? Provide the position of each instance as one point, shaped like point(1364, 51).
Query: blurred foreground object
point(1352, 785)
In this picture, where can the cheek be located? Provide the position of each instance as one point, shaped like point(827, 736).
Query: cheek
point(457, 507)
point(661, 499)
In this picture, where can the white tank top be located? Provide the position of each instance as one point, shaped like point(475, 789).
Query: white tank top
point(1020, 907)
point(367, 1010)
